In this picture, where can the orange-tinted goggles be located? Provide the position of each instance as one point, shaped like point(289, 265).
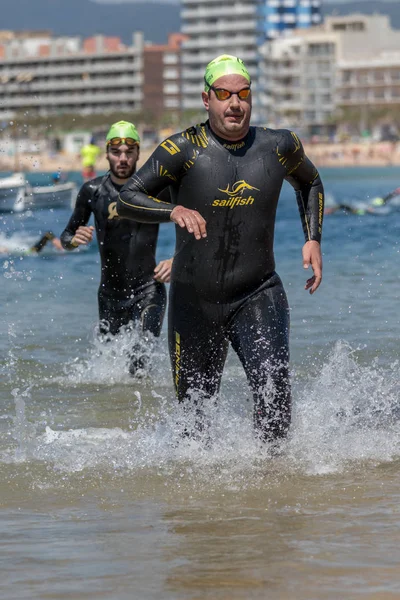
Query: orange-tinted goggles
point(117, 141)
point(222, 94)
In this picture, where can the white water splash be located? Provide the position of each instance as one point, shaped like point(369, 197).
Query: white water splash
point(24, 432)
point(108, 360)
point(346, 415)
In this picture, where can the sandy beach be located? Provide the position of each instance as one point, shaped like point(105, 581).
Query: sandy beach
point(346, 154)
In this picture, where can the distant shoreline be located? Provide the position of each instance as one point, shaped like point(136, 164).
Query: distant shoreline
point(345, 154)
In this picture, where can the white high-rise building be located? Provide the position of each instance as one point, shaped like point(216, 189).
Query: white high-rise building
point(349, 62)
point(215, 27)
point(237, 27)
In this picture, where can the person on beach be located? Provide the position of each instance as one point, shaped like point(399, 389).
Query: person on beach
point(89, 155)
point(225, 178)
point(132, 287)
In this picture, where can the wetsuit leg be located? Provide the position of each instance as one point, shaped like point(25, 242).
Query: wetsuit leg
point(112, 316)
point(152, 309)
point(144, 312)
point(148, 314)
point(259, 333)
point(198, 348)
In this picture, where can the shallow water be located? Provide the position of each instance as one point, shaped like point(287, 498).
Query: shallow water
point(101, 498)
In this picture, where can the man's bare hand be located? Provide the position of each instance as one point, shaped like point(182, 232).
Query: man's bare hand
point(83, 236)
point(312, 256)
point(57, 243)
point(191, 219)
point(162, 272)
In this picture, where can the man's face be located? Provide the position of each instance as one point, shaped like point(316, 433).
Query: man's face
point(229, 118)
point(122, 160)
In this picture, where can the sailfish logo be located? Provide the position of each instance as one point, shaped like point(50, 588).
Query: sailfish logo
point(238, 188)
point(235, 195)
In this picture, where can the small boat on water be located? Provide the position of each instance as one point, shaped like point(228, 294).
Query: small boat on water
point(12, 193)
point(55, 195)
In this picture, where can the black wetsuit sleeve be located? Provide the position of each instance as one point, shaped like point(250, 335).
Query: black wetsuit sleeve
point(138, 198)
point(80, 216)
point(40, 244)
point(305, 179)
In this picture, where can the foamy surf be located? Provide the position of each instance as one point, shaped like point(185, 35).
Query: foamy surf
point(345, 415)
point(107, 360)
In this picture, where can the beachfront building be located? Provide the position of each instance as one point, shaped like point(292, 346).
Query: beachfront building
point(239, 28)
point(370, 87)
point(215, 27)
point(162, 77)
point(46, 76)
point(277, 17)
point(312, 74)
point(368, 80)
point(43, 76)
point(298, 76)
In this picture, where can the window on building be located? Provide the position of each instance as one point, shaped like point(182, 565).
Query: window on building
point(363, 77)
point(379, 94)
point(171, 73)
point(170, 58)
point(171, 88)
point(310, 115)
point(347, 76)
point(379, 76)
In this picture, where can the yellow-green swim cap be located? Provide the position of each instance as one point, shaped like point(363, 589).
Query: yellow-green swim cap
point(224, 65)
point(123, 129)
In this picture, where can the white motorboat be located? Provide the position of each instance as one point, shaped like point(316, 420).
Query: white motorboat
point(56, 195)
point(12, 193)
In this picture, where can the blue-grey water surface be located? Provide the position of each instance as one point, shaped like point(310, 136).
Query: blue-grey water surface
point(99, 496)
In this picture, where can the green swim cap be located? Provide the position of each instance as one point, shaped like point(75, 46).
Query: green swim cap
point(224, 65)
point(123, 129)
point(378, 202)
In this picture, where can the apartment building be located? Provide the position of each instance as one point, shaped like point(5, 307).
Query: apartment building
point(368, 76)
point(298, 79)
point(347, 61)
point(215, 27)
point(162, 76)
point(41, 75)
point(371, 83)
point(278, 16)
point(239, 28)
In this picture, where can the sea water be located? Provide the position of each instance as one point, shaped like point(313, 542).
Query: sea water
point(101, 498)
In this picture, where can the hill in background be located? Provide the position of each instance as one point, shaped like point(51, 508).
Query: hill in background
point(86, 18)
point(367, 7)
point(155, 19)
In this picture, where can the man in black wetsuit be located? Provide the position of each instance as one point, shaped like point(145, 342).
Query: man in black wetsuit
point(224, 288)
point(132, 287)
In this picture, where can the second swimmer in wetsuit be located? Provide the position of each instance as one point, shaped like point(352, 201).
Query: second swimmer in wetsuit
point(132, 288)
point(224, 288)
